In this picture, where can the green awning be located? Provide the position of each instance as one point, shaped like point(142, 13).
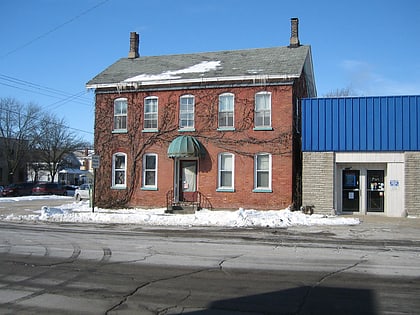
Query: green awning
point(185, 146)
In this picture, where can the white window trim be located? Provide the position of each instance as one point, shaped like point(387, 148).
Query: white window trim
point(117, 130)
point(219, 171)
point(114, 184)
point(144, 114)
point(262, 127)
point(188, 128)
point(233, 113)
point(263, 189)
point(144, 186)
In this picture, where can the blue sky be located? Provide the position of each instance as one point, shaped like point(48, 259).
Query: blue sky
point(49, 49)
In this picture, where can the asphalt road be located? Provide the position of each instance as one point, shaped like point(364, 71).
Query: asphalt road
point(127, 269)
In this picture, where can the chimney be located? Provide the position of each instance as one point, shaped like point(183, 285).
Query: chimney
point(294, 36)
point(134, 45)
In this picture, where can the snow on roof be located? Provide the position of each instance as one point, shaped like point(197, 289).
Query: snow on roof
point(204, 66)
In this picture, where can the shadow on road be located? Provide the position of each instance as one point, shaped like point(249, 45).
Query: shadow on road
point(301, 300)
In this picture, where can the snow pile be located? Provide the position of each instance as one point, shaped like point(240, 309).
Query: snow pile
point(81, 212)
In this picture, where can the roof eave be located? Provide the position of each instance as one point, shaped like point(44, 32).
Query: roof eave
point(136, 84)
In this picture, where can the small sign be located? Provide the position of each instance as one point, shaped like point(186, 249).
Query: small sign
point(95, 161)
point(394, 183)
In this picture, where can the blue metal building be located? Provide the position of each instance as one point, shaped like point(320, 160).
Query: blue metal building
point(361, 154)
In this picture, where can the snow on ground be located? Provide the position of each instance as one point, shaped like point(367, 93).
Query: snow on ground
point(81, 212)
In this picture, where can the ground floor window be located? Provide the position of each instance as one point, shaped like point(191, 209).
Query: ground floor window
point(150, 171)
point(119, 170)
point(226, 171)
point(262, 181)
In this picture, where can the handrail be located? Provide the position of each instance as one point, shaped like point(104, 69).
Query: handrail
point(200, 200)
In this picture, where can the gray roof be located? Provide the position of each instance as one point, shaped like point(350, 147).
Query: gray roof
point(271, 63)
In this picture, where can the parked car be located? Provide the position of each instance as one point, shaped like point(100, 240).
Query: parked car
point(49, 189)
point(70, 189)
point(1, 189)
point(18, 189)
point(83, 192)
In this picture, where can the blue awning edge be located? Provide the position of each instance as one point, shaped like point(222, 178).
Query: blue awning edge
point(185, 146)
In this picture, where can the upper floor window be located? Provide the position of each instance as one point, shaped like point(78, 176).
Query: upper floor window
point(151, 112)
point(263, 110)
point(262, 181)
point(150, 171)
point(226, 171)
point(226, 110)
point(119, 170)
point(186, 112)
point(120, 114)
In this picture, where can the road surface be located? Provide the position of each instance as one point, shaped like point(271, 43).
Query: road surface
point(128, 269)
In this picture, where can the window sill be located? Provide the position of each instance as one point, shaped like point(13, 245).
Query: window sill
point(226, 129)
point(119, 131)
point(262, 190)
point(230, 190)
point(149, 188)
point(119, 187)
point(263, 128)
point(150, 130)
point(186, 129)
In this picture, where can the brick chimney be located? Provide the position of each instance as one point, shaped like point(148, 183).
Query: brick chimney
point(294, 36)
point(134, 45)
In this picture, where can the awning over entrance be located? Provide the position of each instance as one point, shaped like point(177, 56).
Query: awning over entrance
point(185, 146)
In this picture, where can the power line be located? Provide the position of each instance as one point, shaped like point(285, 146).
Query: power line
point(43, 90)
point(54, 123)
point(53, 29)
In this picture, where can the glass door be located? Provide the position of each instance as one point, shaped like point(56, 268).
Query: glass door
point(375, 190)
point(351, 190)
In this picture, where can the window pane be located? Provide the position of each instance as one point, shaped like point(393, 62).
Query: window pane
point(119, 161)
point(150, 178)
point(262, 179)
point(150, 162)
point(262, 162)
point(226, 162)
point(119, 177)
point(226, 179)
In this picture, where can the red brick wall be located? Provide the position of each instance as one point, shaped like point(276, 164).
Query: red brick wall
point(244, 142)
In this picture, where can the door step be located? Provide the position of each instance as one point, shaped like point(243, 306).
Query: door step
point(183, 208)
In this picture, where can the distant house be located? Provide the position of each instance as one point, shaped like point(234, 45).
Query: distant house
point(214, 129)
point(361, 155)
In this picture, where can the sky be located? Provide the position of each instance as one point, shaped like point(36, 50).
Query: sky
point(50, 49)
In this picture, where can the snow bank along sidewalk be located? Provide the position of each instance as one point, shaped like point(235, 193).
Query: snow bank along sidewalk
point(80, 212)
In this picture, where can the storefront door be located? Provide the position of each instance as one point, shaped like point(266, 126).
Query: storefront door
point(351, 190)
point(375, 190)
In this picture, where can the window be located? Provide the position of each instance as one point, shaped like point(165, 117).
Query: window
point(186, 112)
point(150, 171)
point(262, 172)
point(263, 110)
point(151, 112)
point(119, 170)
point(120, 114)
point(226, 110)
point(226, 171)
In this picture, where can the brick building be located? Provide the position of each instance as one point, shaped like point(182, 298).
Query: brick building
point(215, 129)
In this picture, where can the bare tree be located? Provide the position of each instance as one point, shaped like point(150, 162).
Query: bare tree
point(348, 91)
point(18, 124)
point(54, 141)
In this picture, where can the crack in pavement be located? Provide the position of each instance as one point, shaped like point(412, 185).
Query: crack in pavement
point(328, 275)
point(138, 288)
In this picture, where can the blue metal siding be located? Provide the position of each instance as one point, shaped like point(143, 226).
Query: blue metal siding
point(390, 123)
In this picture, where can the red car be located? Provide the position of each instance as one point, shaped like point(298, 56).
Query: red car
point(49, 189)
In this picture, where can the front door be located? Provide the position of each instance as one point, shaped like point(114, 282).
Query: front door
point(188, 180)
point(351, 190)
point(375, 191)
